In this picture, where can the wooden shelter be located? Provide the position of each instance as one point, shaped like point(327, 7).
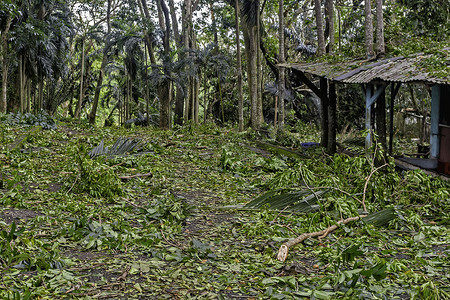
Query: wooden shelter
point(375, 76)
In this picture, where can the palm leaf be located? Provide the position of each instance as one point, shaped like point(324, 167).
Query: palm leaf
point(382, 217)
point(120, 147)
point(250, 11)
point(298, 201)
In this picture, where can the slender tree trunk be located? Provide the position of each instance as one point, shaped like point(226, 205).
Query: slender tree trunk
point(191, 101)
point(275, 115)
point(216, 42)
point(281, 80)
point(176, 32)
point(29, 96)
point(320, 32)
point(146, 95)
point(194, 89)
point(187, 28)
point(205, 99)
point(147, 33)
point(41, 95)
point(165, 86)
point(127, 106)
point(4, 64)
point(93, 113)
point(213, 21)
point(259, 104)
point(179, 94)
point(250, 49)
point(339, 28)
point(221, 100)
point(330, 14)
point(197, 102)
point(80, 100)
point(368, 29)
point(239, 69)
point(380, 29)
point(21, 87)
point(149, 43)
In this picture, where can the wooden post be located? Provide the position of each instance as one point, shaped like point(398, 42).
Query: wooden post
point(331, 147)
point(434, 134)
point(325, 103)
point(368, 116)
point(381, 120)
point(394, 91)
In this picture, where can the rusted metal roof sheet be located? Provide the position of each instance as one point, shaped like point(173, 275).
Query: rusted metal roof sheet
point(396, 69)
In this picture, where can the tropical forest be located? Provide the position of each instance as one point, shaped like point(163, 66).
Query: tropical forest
point(231, 149)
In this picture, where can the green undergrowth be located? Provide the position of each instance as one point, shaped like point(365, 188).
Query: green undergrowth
point(169, 221)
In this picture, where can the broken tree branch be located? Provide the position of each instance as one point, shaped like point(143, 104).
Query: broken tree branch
point(284, 249)
point(136, 175)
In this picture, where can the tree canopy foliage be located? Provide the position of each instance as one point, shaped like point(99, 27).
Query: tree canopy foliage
point(176, 60)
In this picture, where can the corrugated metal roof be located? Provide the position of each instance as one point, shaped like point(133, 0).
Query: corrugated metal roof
point(396, 69)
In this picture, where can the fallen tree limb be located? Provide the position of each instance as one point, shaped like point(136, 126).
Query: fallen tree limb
point(284, 249)
point(136, 175)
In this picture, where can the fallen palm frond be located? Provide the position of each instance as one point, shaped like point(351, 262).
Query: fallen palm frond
point(382, 217)
point(281, 150)
point(299, 201)
point(377, 218)
point(120, 147)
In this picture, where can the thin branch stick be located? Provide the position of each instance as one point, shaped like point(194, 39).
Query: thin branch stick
point(136, 175)
point(367, 182)
point(76, 179)
point(119, 164)
point(284, 249)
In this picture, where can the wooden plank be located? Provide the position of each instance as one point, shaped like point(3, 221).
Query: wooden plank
point(407, 166)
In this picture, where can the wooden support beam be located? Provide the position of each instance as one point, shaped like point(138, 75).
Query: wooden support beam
point(394, 91)
point(371, 97)
point(322, 93)
point(309, 84)
point(379, 91)
point(435, 107)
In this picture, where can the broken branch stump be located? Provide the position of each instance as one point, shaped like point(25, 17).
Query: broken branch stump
point(284, 249)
